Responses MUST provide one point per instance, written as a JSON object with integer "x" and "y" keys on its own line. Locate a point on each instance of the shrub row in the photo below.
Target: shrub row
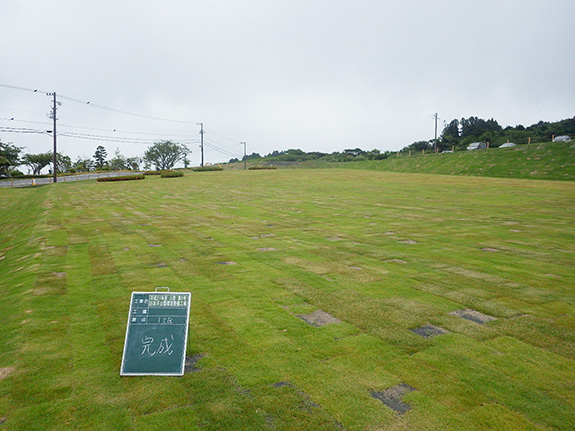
{"x": 257, "y": 168}
{"x": 208, "y": 168}
{"x": 171, "y": 174}
{"x": 123, "y": 178}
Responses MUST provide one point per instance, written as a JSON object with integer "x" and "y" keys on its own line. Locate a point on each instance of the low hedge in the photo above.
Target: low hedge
{"x": 208, "y": 168}
{"x": 258, "y": 168}
{"x": 171, "y": 174}
{"x": 152, "y": 172}
{"x": 123, "y": 178}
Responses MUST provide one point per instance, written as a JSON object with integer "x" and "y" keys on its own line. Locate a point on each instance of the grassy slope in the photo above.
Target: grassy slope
{"x": 550, "y": 161}
{"x": 383, "y": 252}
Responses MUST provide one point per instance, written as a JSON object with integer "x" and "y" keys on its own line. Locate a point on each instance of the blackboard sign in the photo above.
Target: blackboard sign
{"x": 157, "y": 334}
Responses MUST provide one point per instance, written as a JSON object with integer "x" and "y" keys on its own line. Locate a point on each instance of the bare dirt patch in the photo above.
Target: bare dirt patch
{"x": 191, "y": 362}
{"x": 473, "y": 315}
{"x": 429, "y": 331}
{"x": 6, "y": 371}
{"x": 319, "y": 318}
{"x": 393, "y": 397}
{"x": 229, "y": 262}
{"x": 265, "y": 235}
{"x": 267, "y": 249}
{"x": 396, "y": 261}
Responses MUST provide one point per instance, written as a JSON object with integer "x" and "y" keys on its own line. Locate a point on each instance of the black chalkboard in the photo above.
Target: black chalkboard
{"x": 156, "y": 334}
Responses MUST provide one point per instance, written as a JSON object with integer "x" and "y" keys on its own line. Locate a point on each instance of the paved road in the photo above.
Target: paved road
{"x": 27, "y": 182}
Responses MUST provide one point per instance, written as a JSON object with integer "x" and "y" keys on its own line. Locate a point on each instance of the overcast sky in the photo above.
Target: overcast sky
{"x": 319, "y": 75}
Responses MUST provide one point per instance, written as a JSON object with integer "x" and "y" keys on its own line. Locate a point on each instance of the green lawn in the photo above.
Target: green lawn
{"x": 385, "y": 253}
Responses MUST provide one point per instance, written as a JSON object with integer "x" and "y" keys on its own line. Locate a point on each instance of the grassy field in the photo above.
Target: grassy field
{"x": 448, "y": 302}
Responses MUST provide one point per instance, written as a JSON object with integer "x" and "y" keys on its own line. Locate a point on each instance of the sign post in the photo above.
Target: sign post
{"x": 156, "y": 334}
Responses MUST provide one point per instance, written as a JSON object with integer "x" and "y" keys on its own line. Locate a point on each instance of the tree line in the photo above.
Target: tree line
{"x": 161, "y": 155}
{"x": 458, "y": 134}
{"x": 297, "y": 155}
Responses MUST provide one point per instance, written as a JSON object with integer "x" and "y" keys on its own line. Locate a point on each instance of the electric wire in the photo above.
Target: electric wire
{"x": 217, "y": 147}
{"x": 88, "y": 103}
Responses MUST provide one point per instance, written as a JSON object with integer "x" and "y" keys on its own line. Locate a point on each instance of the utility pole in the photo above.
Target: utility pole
{"x": 53, "y": 116}
{"x": 202, "y": 141}
{"x": 435, "y": 140}
{"x": 245, "y": 158}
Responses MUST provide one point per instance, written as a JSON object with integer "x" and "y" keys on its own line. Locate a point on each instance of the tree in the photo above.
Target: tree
{"x": 37, "y": 162}
{"x": 251, "y": 156}
{"x": 450, "y": 136}
{"x": 83, "y": 165}
{"x": 474, "y": 127}
{"x": 165, "y": 154}
{"x": 375, "y": 154}
{"x": 133, "y": 163}
{"x": 9, "y": 157}
{"x": 118, "y": 163}
{"x": 64, "y": 163}
{"x": 418, "y": 147}
{"x": 355, "y": 152}
{"x": 100, "y": 157}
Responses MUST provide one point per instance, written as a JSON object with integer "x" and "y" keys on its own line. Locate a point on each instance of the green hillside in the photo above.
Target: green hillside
{"x": 549, "y": 161}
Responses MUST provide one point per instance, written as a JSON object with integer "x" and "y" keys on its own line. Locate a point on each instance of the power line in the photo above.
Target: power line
{"x": 19, "y": 130}
{"x": 14, "y": 87}
{"x": 98, "y": 129}
{"x": 113, "y": 138}
{"x": 84, "y": 136}
{"x": 88, "y": 103}
{"x": 118, "y": 139}
{"x": 223, "y": 151}
{"x": 134, "y": 114}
